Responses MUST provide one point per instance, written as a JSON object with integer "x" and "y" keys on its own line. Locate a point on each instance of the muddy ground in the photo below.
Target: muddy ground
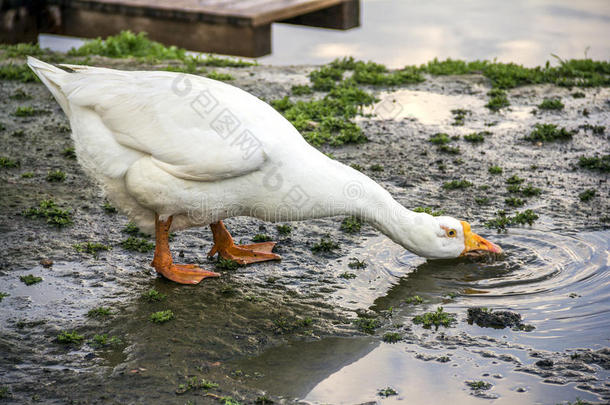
{"x": 249, "y": 310}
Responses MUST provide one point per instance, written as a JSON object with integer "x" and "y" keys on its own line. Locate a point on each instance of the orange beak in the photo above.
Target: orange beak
{"x": 475, "y": 244}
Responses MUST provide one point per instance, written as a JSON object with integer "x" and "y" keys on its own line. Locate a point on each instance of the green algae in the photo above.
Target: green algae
{"x": 260, "y": 237}
{"x": 92, "y": 248}
{"x": 9, "y": 163}
{"x": 601, "y": 164}
{"x": 429, "y": 211}
{"x": 551, "y": 104}
{"x": 325, "y": 245}
{"x": 436, "y": 318}
{"x": 48, "y": 210}
{"x": 162, "y": 316}
{"x": 457, "y": 184}
{"x": 135, "y": 244}
{"x": 30, "y": 279}
{"x": 56, "y": 176}
{"x": 392, "y": 337}
{"x": 549, "y": 133}
{"x": 68, "y": 338}
{"x": 99, "y": 312}
{"x": 587, "y": 195}
{"x": 351, "y": 225}
{"x": 153, "y": 295}
{"x": 495, "y": 169}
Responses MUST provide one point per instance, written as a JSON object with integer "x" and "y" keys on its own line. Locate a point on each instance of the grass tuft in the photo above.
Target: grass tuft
{"x": 456, "y": 185}
{"x": 68, "y": 338}
{"x": 549, "y": 133}
{"x": 56, "y": 176}
{"x": 48, "y": 210}
{"x": 392, "y": 337}
{"x": 437, "y": 318}
{"x": 601, "y": 164}
{"x": 429, "y": 211}
{"x": 30, "y": 279}
{"x": 551, "y": 104}
{"x": 162, "y": 316}
{"x": 99, "y": 312}
{"x": 325, "y": 245}
{"x": 93, "y": 248}
{"x": 351, "y": 225}
{"x": 8, "y": 163}
{"x": 137, "y": 245}
{"x": 153, "y": 295}
{"x": 587, "y": 195}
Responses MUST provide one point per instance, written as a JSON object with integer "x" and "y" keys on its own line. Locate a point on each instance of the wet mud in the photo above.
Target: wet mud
{"x": 285, "y": 331}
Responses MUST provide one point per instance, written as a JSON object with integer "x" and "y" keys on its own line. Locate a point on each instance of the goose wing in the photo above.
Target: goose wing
{"x": 194, "y": 128}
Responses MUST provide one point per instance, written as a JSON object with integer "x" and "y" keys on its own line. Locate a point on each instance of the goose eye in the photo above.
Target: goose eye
{"x": 451, "y": 233}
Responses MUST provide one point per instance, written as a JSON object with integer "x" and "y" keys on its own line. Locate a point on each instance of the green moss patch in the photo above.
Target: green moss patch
{"x": 162, "y": 316}
{"x": 30, "y": 279}
{"x": 325, "y": 245}
{"x": 260, "y": 237}
{"x": 497, "y": 100}
{"x": 92, "y": 248}
{"x": 587, "y": 195}
{"x": 9, "y": 163}
{"x": 549, "y": 133}
{"x": 495, "y": 170}
{"x": 601, "y": 164}
{"x": 367, "y": 325}
{"x": 153, "y": 295}
{"x": 47, "y": 209}
{"x": 354, "y": 263}
{"x": 137, "y": 245}
{"x": 392, "y": 337}
{"x": 551, "y": 104}
{"x": 351, "y": 225}
{"x": 99, "y": 312}
{"x": 67, "y": 338}
{"x": 437, "y": 319}
{"x": 429, "y": 210}
{"x": 503, "y": 220}
{"x": 18, "y": 72}
{"x": 56, "y": 176}
{"x": 457, "y": 184}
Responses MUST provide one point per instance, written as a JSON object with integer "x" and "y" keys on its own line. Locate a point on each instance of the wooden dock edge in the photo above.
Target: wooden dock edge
{"x": 23, "y": 20}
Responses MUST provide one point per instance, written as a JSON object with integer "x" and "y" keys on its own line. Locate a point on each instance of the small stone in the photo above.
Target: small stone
{"x": 46, "y": 263}
{"x": 545, "y": 363}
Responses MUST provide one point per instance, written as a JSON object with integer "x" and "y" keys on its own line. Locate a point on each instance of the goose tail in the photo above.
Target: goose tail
{"x": 52, "y": 77}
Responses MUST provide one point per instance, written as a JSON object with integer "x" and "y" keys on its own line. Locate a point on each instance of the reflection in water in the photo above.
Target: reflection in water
{"x": 559, "y": 283}
{"x": 398, "y": 33}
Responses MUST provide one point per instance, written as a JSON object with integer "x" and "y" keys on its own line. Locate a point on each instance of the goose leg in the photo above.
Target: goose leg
{"x": 242, "y": 254}
{"x": 164, "y": 264}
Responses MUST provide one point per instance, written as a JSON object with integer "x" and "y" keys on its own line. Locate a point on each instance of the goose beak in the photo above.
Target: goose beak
{"x": 475, "y": 245}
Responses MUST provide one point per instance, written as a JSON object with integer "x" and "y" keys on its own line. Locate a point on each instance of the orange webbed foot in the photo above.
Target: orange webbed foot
{"x": 242, "y": 254}
{"x": 185, "y": 273}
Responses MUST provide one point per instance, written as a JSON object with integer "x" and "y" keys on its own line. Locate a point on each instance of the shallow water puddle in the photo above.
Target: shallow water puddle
{"x": 428, "y": 108}
{"x": 347, "y": 371}
{"x": 55, "y": 296}
{"x": 558, "y": 283}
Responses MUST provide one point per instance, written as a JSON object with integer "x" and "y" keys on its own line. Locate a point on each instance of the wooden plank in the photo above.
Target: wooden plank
{"x": 197, "y": 36}
{"x": 341, "y": 17}
{"x": 236, "y": 12}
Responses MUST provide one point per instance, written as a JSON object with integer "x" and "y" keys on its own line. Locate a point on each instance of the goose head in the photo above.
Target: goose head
{"x": 445, "y": 237}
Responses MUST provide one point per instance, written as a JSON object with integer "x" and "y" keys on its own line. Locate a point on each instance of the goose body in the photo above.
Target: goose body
{"x": 193, "y": 150}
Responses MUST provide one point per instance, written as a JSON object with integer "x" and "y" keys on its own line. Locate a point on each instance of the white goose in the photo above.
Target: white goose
{"x": 175, "y": 151}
